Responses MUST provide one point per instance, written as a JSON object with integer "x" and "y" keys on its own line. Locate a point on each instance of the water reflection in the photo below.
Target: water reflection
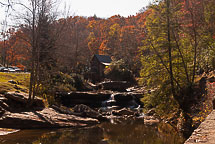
{"x": 106, "y": 133}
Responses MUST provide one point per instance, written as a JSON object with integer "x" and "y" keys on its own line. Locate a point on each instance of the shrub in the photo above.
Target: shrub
{"x": 118, "y": 71}
{"x": 78, "y": 82}
{"x": 58, "y": 82}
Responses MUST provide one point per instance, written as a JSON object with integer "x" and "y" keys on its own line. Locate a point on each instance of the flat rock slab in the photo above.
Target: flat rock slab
{"x": 47, "y": 118}
{"x": 114, "y": 85}
{"x": 205, "y": 133}
{"x": 4, "y": 131}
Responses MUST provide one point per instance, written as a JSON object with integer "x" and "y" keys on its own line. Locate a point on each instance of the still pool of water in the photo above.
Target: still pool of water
{"x": 106, "y": 133}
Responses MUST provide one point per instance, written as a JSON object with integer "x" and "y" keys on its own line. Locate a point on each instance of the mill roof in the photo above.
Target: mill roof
{"x": 104, "y": 59}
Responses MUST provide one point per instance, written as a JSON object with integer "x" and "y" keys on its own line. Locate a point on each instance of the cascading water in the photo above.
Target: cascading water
{"x": 110, "y": 102}
{"x": 109, "y": 105}
{"x": 119, "y": 106}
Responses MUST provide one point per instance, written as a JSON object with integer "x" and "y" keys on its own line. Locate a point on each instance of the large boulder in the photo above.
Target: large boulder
{"x": 15, "y": 114}
{"x": 21, "y": 100}
{"x": 87, "y": 112}
{"x": 47, "y": 118}
{"x": 123, "y": 112}
{"x": 88, "y": 98}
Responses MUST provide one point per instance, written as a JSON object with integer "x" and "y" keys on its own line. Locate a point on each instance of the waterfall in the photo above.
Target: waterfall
{"x": 109, "y": 104}
{"x": 121, "y": 106}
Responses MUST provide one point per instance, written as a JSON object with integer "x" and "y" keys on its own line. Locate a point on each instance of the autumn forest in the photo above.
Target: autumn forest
{"x": 166, "y": 46}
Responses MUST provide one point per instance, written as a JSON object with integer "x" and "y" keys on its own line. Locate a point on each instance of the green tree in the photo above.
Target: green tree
{"x": 169, "y": 61}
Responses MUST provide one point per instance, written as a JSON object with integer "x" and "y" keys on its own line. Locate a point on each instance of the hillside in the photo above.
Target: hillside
{"x": 14, "y": 82}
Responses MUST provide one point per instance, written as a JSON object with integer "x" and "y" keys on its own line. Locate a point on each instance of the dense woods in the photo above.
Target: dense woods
{"x": 165, "y": 45}
{"x": 178, "y": 45}
{"x": 81, "y": 37}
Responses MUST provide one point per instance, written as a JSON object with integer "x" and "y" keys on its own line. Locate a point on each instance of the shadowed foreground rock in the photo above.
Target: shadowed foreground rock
{"x": 205, "y": 133}
{"x": 14, "y": 114}
{"x": 47, "y": 118}
{"x": 19, "y": 101}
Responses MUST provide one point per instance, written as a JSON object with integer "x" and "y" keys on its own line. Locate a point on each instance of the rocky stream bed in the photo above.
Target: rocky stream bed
{"x": 77, "y": 109}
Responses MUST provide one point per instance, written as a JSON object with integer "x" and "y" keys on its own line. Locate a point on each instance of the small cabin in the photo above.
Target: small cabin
{"x": 98, "y": 64}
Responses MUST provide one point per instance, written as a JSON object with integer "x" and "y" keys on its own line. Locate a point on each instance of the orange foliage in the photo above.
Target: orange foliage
{"x": 17, "y": 49}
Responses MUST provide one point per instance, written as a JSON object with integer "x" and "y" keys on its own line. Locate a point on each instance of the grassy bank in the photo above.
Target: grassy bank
{"x": 21, "y": 82}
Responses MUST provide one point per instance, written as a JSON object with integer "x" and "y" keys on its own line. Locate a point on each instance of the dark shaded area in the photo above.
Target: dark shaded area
{"x": 96, "y": 99}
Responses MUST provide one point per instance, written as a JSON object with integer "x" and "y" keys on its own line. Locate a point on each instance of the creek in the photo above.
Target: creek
{"x": 127, "y": 132}
{"x": 126, "y": 123}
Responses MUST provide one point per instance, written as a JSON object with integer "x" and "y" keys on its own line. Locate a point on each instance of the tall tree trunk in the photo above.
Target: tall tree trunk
{"x": 182, "y": 57}
{"x": 76, "y": 46}
{"x": 32, "y": 77}
{"x": 170, "y": 48}
{"x": 195, "y": 48}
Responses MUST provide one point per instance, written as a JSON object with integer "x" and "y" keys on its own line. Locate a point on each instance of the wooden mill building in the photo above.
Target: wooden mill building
{"x": 98, "y": 64}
